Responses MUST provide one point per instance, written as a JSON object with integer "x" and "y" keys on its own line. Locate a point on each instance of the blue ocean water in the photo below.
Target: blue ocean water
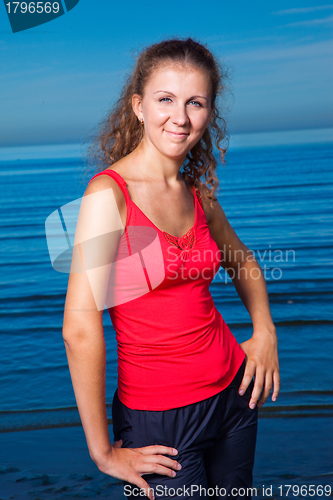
{"x": 278, "y": 200}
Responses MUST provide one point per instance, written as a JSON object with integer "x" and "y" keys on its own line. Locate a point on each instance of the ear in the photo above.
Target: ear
{"x": 137, "y": 106}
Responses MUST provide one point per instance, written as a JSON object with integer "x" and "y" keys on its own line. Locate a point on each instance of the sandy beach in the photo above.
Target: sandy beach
{"x": 52, "y": 463}
{"x": 55, "y": 463}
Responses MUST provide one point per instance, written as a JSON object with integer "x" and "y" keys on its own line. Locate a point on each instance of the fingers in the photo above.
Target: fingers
{"x": 162, "y": 465}
{"x": 139, "y": 481}
{"x": 257, "y": 388}
{"x": 276, "y": 381}
{"x": 157, "y": 468}
{"x": 266, "y": 390}
{"x": 247, "y": 378}
{"x": 271, "y": 380}
{"x": 130, "y": 464}
{"x": 263, "y": 383}
{"x": 155, "y": 461}
{"x": 158, "y": 449}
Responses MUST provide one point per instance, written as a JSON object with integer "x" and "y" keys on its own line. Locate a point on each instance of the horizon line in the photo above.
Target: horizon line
{"x": 237, "y": 141}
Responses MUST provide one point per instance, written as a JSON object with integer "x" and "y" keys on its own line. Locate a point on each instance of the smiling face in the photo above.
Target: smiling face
{"x": 176, "y": 108}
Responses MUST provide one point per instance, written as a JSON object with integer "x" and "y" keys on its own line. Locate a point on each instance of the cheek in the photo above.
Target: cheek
{"x": 199, "y": 121}
{"x": 160, "y": 116}
{"x": 156, "y": 116}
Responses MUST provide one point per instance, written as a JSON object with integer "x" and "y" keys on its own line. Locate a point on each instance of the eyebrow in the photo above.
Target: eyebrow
{"x": 170, "y": 93}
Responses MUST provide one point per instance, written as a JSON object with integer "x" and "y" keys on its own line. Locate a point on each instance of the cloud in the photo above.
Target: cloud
{"x": 295, "y": 52}
{"x": 304, "y": 10}
{"x": 229, "y": 43}
{"x": 311, "y": 22}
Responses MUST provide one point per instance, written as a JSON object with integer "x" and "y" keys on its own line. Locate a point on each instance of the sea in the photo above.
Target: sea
{"x": 279, "y": 200}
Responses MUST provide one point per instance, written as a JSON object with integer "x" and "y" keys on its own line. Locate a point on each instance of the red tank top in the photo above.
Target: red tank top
{"x": 174, "y": 348}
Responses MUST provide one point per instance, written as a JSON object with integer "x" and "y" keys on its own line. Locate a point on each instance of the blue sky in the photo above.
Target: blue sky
{"x": 58, "y": 80}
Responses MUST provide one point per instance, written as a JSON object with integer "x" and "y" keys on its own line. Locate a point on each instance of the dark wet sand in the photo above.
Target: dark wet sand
{"x": 55, "y": 463}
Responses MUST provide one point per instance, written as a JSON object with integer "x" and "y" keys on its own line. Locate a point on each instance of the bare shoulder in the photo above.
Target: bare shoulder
{"x": 103, "y": 182}
{"x": 212, "y": 208}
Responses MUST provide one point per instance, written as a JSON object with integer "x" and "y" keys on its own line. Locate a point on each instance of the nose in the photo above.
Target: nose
{"x": 179, "y": 116}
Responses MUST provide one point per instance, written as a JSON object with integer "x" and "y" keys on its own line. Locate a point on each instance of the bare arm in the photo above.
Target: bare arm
{"x": 248, "y": 279}
{"x": 83, "y": 318}
{"x": 84, "y": 336}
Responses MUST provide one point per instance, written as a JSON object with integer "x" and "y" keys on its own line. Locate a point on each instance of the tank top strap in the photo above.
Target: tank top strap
{"x": 196, "y": 193}
{"x": 119, "y": 180}
{"x": 122, "y": 184}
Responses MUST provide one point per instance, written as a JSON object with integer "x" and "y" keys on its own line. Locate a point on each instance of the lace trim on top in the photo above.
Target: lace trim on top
{"x": 183, "y": 242}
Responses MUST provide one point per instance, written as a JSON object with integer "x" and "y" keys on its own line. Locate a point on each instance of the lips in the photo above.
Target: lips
{"x": 176, "y": 134}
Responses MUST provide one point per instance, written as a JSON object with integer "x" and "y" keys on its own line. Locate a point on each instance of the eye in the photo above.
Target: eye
{"x": 197, "y": 103}
{"x": 167, "y": 99}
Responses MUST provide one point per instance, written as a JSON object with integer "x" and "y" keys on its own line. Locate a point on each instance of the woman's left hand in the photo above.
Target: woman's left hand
{"x": 262, "y": 362}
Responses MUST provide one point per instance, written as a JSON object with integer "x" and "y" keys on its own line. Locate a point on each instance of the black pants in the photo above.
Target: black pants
{"x": 215, "y": 439}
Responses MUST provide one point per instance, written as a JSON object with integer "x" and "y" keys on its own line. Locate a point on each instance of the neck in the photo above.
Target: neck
{"x": 155, "y": 166}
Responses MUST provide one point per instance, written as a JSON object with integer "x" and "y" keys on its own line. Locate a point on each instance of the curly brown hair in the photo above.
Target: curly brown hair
{"x": 120, "y": 132}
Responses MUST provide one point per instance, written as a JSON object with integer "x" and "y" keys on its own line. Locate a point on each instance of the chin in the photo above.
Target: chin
{"x": 171, "y": 156}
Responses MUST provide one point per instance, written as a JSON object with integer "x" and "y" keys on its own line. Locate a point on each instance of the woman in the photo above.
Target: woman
{"x": 185, "y": 411}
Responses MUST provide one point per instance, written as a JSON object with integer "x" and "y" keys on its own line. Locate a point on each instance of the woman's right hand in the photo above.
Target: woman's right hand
{"x": 129, "y": 464}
